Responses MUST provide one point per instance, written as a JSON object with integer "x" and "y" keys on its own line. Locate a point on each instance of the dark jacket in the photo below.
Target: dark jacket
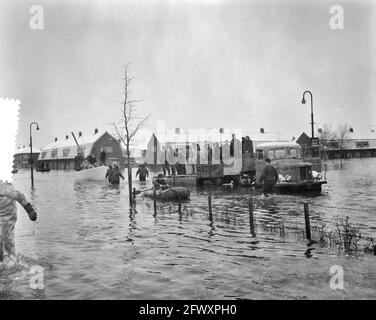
{"x": 269, "y": 174}
{"x": 143, "y": 172}
{"x": 115, "y": 177}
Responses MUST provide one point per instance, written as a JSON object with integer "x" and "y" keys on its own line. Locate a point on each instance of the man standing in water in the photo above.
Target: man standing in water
{"x": 109, "y": 172}
{"x": 270, "y": 177}
{"x": 103, "y": 158}
{"x": 115, "y": 175}
{"x": 8, "y": 217}
{"x": 142, "y": 172}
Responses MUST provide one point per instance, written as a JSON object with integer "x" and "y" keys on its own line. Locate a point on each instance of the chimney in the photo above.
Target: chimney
{"x": 66, "y": 137}
{"x": 177, "y": 130}
{"x": 262, "y": 130}
{"x": 95, "y": 131}
{"x": 221, "y": 130}
{"x": 79, "y": 134}
{"x": 55, "y": 139}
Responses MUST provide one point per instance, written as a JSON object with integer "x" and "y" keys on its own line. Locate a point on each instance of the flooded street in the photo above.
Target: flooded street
{"x": 91, "y": 246}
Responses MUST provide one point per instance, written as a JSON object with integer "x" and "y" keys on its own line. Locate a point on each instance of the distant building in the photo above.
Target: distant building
{"x": 21, "y": 159}
{"x": 61, "y": 154}
{"x": 352, "y": 147}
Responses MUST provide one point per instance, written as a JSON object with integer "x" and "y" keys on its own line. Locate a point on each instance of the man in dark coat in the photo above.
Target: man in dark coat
{"x": 115, "y": 175}
{"x": 269, "y": 178}
{"x": 103, "y": 157}
{"x": 142, "y": 172}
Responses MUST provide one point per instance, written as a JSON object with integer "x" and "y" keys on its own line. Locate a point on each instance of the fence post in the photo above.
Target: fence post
{"x": 251, "y": 218}
{"x": 307, "y": 222}
{"x": 155, "y": 200}
{"x": 1, "y": 250}
{"x": 210, "y": 207}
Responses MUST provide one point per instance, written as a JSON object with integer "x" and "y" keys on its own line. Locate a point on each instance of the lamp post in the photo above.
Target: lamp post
{"x": 303, "y": 102}
{"x": 31, "y": 153}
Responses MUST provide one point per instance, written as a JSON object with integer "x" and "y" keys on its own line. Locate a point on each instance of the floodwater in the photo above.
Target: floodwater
{"x": 90, "y": 246}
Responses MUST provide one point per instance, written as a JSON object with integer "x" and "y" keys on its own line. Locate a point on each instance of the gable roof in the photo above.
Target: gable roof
{"x": 67, "y": 148}
{"x": 304, "y": 139}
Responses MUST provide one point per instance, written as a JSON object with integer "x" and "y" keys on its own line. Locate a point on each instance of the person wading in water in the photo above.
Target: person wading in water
{"x": 8, "y": 217}
{"x": 108, "y": 173}
{"x": 269, "y": 178}
{"x": 115, "y": 175}
{"x": 142, "y": 172}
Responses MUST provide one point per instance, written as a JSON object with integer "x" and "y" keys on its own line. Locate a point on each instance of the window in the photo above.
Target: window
{"x": 44, "y": 153}
{"x": 362, "y": 144}
{"x": 106, "y": 149}
{"x": 53, "y": 153}
{"x": 260, "y": 154}
{"x": 333, "y": 144}
{"x": 293, "y": 153}
{"x": 277, "y": 153}
{"x": 66, "y": 152}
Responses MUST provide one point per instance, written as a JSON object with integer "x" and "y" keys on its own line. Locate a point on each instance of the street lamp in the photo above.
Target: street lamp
{"x": 31, "y": 153}
{"x": 303, "y": 102}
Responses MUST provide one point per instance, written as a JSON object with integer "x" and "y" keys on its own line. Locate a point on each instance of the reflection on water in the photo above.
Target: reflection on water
{"x": 92, "y": 245}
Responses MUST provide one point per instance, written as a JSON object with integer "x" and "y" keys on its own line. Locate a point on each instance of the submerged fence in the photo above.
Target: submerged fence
{"x": 345, "y": 236}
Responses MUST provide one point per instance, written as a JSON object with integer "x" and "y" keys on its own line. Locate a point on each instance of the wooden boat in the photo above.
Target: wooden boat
{"x": 179, "y": 180}
{"x": 169, "y": 194}
{"x": 43, "y": 169}
{"x": 92, "y": 174}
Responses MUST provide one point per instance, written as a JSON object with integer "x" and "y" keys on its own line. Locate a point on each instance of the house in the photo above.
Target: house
{"x": 61, "y": 154}
{"x": 353, "y": 147}
{"x": 21, "y": 159}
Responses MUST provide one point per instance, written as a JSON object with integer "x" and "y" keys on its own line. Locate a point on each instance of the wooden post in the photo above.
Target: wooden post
{"x": 179, "y": 207}
{"x": 134, "y": 194}
{"x": 155, "y": 201}
{"x": 210, "y": 207}
{"x": 307, "y": 222}
{"x": 251, "y": 218}
{"x": 1, "y": 249}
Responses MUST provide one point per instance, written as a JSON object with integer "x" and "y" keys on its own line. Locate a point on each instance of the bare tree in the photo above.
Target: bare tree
{"x": 327, "y": 136}
{"x": 341, "y": 135}
{"x": 128, "y": 125}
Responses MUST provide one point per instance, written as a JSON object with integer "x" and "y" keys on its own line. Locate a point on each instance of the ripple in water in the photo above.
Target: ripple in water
{"x": 92, "y": 246}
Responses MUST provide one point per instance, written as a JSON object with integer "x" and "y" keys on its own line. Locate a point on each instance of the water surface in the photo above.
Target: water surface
{"x": 92, "y": 247}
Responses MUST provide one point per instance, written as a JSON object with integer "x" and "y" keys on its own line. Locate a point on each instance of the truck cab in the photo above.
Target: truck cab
{"x": 288, "y": 160}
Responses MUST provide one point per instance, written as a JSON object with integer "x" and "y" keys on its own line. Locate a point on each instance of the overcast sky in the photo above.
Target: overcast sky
{"x": 199, "y": 64}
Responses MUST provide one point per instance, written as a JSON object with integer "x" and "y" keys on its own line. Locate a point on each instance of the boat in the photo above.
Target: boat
{"x": 179, "y": 180}
{"x": 43, "y": 169}
{"x": 92, "y": 174}
{"x": 173, "y": 193}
